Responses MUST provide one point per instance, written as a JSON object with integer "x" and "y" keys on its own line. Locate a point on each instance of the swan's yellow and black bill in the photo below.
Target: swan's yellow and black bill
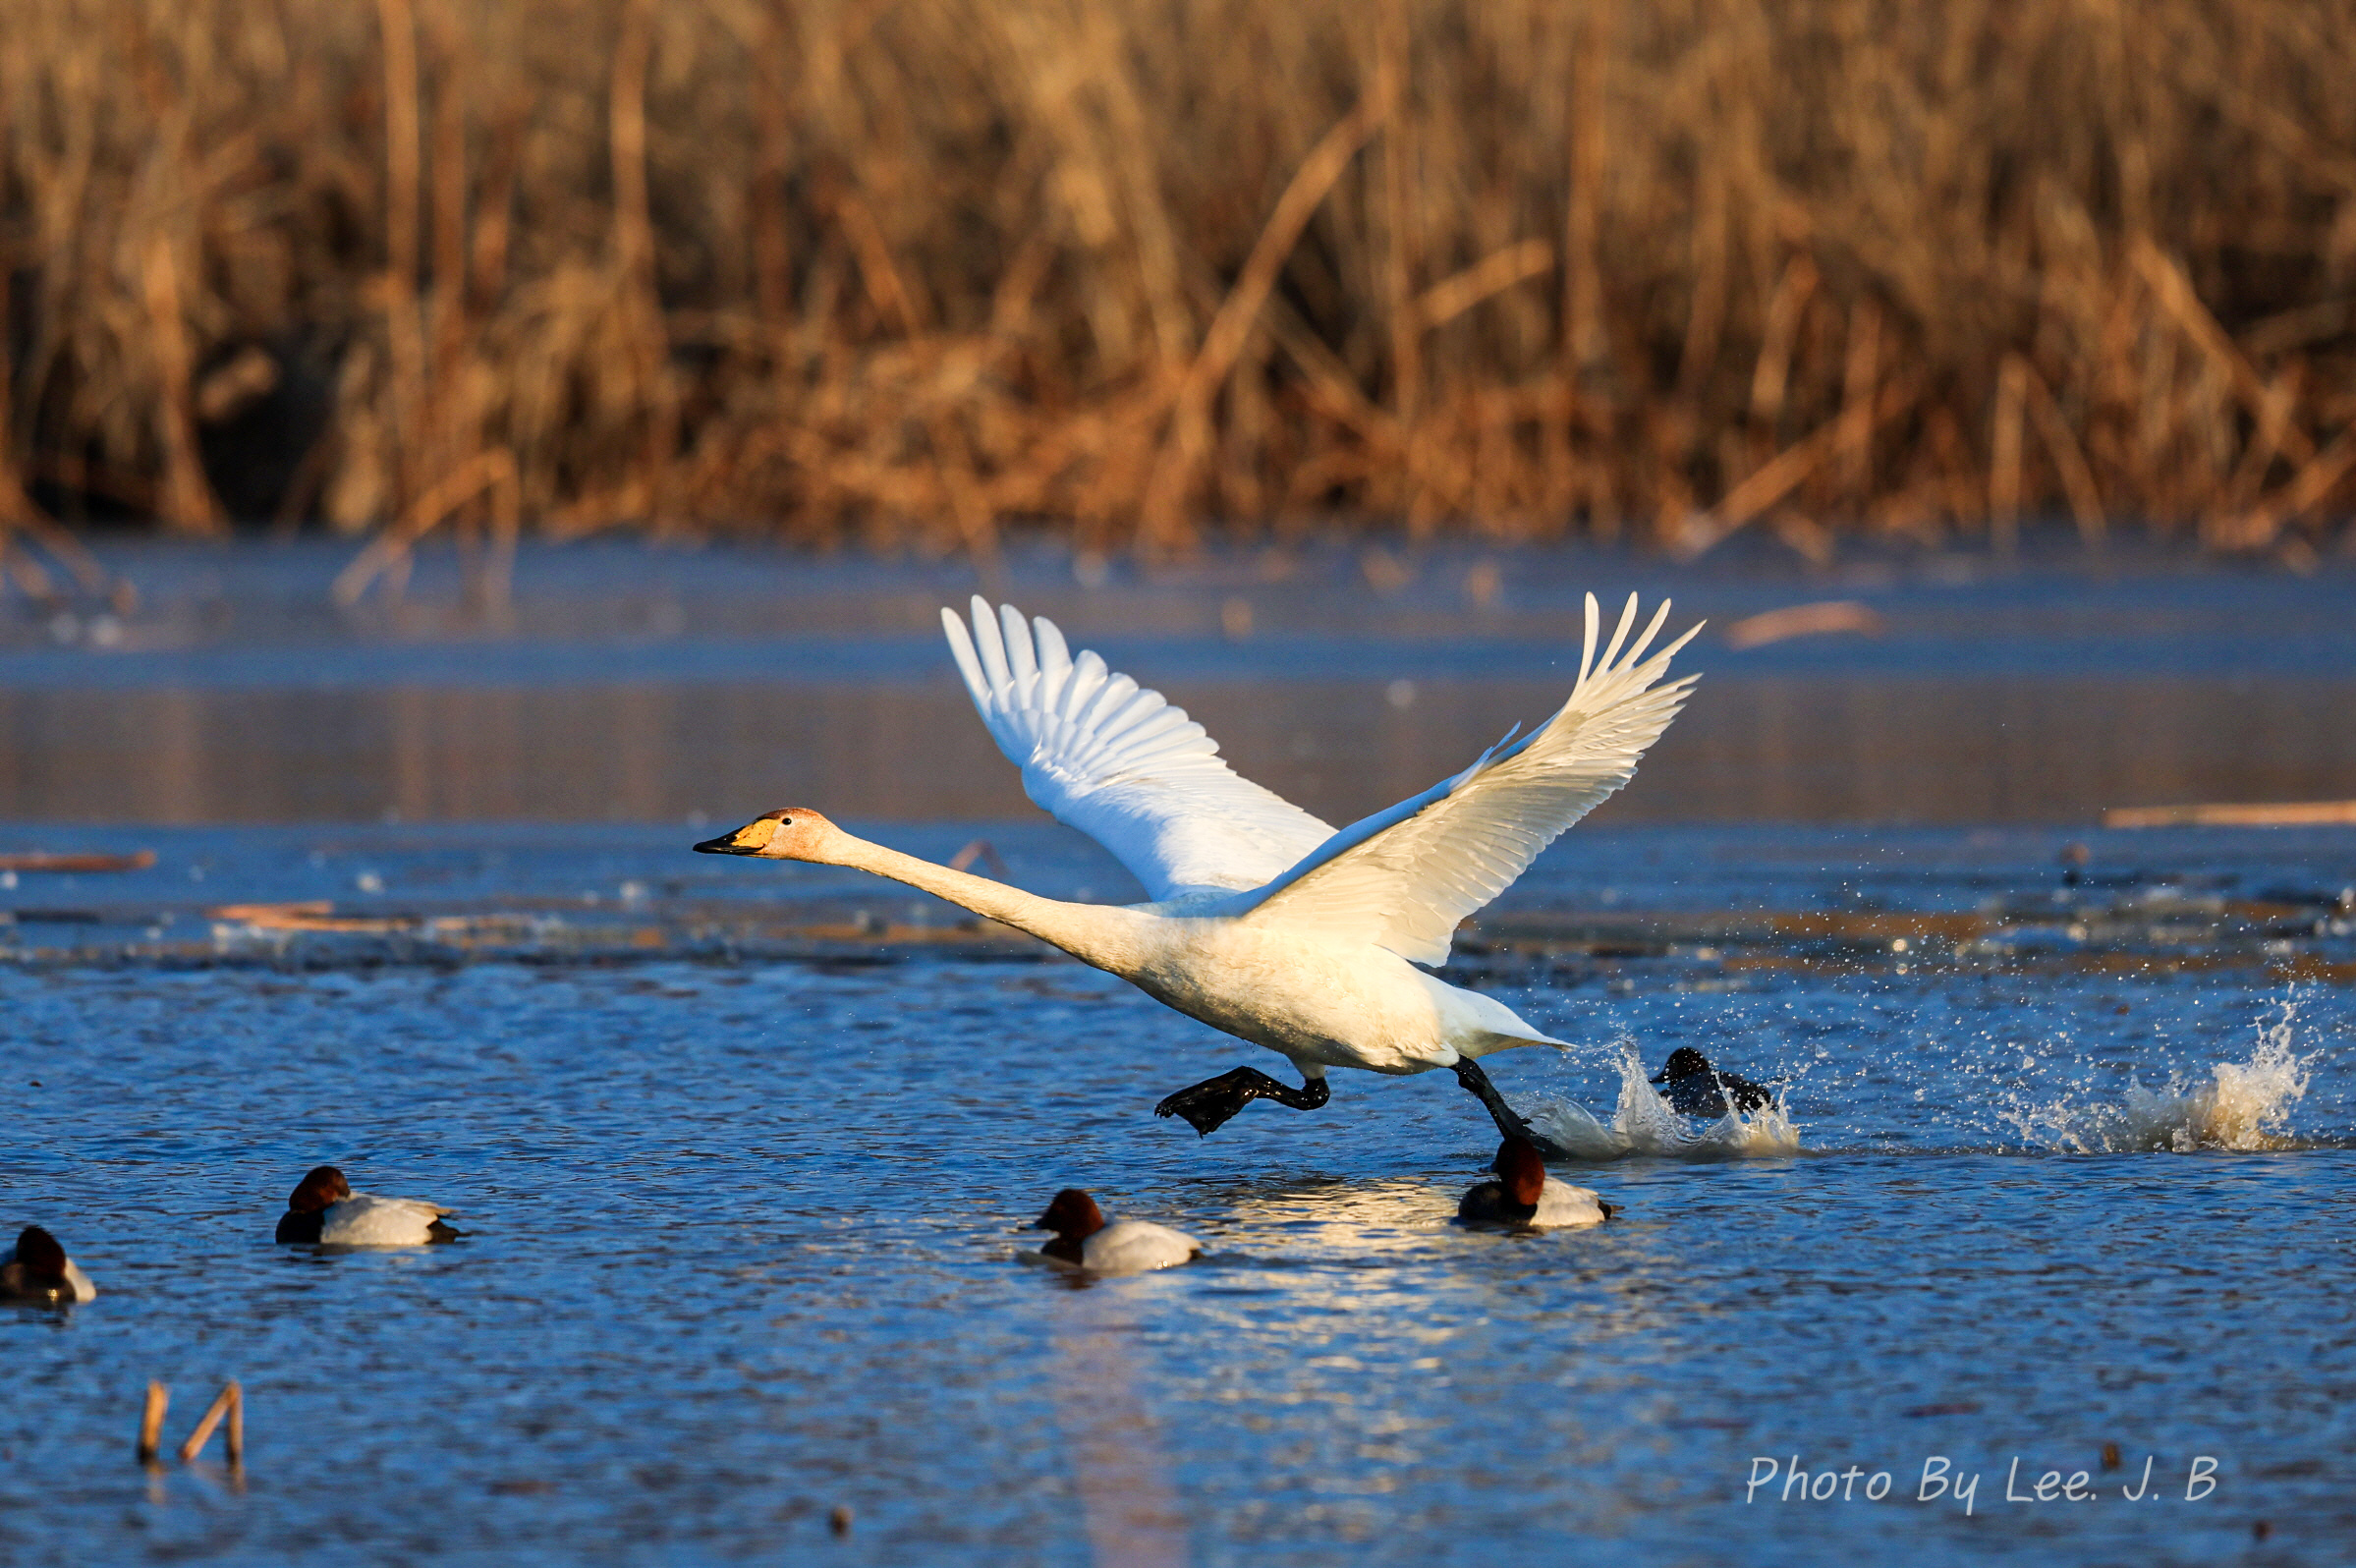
{"x": 749, "y": 839}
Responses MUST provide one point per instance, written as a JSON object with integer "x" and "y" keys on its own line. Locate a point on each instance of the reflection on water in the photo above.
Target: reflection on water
{"x": 1816, "y": 750}
{"x": 641, "y": 687}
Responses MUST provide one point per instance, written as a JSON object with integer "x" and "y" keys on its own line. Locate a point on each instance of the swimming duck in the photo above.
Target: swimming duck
{"x": 1694, "y": 1088}
{"x": 325, "y": 1209}
{"x": 37, "y": 1270}
{"x": 1085, "y": 1239}
{"x": 1524, "y": 1195}
{"x": 1265, "y": 921}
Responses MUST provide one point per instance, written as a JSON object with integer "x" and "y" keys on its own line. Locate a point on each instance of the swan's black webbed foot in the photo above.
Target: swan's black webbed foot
{"x": 1510, "y": 1122}
{"x": 1214, "y": 1102}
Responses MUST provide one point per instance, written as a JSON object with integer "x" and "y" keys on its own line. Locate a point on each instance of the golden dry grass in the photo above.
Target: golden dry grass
{"x": 913, "y": 271}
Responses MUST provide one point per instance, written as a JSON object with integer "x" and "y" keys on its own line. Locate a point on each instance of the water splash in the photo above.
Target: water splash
{"x": 1644, "y": 1123}
{"x": 2240, "y": 1105}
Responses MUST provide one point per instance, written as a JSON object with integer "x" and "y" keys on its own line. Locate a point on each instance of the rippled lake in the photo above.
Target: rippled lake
{"x": 2063, "y": 1185}
{"x": 741, "y": 1150}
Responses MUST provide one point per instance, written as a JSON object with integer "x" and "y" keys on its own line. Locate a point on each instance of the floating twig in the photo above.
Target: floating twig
{"x": 1804, "y": 620}
{"x": 44, "y": 861}
{"x": 2268, "y": 813}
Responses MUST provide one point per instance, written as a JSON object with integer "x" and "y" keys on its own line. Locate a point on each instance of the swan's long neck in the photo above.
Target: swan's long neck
{"x": 1104, "y": 934}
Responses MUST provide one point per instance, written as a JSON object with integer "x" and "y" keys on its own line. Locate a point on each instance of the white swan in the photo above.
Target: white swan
{"x": 1266, "y": 922}
{"x": 325, "y": 1209}
{"x": 37, "y": 1271}
{"x": 1085, "y": 1239}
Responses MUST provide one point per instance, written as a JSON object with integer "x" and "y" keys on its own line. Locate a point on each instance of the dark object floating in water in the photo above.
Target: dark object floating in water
{"x": 1694, "y": 1088}
{"x": 1961, "y": 1407}
{"x": 42, "y": 861}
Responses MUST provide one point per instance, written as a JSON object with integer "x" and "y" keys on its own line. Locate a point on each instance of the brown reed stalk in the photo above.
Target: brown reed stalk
{"x": 914, "y": 273}
{"x": 1163, "y": 521}
{"x": 151, "y": 1422}
{"x": 403, "y": 330}
{"x": 230, "y": 1402}
{"x": 188, "y": 506}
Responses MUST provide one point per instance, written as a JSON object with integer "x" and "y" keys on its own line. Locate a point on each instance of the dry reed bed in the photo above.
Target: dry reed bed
{"x": 909, "y": 271}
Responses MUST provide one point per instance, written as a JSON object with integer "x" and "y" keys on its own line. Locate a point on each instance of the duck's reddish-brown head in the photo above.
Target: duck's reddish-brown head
{"x": 323, "y": 1188}
{"x": 1074, "y": 1215}
{"x": 40, "y": 1257}
{"x": 1520, "y": 1170}
{"x": 796, "y": 833}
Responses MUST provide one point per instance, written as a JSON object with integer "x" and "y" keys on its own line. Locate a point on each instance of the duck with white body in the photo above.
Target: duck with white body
{"x": 1524, "y": 1196}
{"x": 1086, "y": 1240}
{"x": 37, "y": 1272}
{"x": 1265, "y": 921}
{"x": 324, "y": 1210}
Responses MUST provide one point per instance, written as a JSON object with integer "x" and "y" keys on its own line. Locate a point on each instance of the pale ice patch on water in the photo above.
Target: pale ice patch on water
{"x": 1644, "y": 1123}
{"x": 2238, "y": 1105}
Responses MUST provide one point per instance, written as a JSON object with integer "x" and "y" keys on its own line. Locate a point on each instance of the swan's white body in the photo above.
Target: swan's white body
{"x": 1302, "y": 995}
{"x": 1132, "y": 1247}
{"x": 1265, "y": 921}
{"x": 365, "y": 1219}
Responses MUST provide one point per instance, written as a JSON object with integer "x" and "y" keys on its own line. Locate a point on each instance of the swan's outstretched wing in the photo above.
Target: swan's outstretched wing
{"x": 1402, "y": 878}
{"x": 1123, "y": 765}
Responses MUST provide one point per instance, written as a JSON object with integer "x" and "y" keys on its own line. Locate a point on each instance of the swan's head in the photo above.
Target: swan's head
{"x": 42, "y": 1258}
{"x": 796, "y": 833}
{"x": 1074, "y": 1215}
{"x": 1683, "y": 1062}
{"x": 1520, "y": 1170}
{"x": 323, "y": 1188}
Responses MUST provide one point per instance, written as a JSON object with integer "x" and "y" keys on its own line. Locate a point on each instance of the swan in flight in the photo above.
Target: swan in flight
{"x": 1265, "y": 921}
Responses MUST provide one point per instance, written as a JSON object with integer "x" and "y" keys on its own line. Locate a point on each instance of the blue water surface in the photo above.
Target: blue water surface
{"x": 743, "y": 1280}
